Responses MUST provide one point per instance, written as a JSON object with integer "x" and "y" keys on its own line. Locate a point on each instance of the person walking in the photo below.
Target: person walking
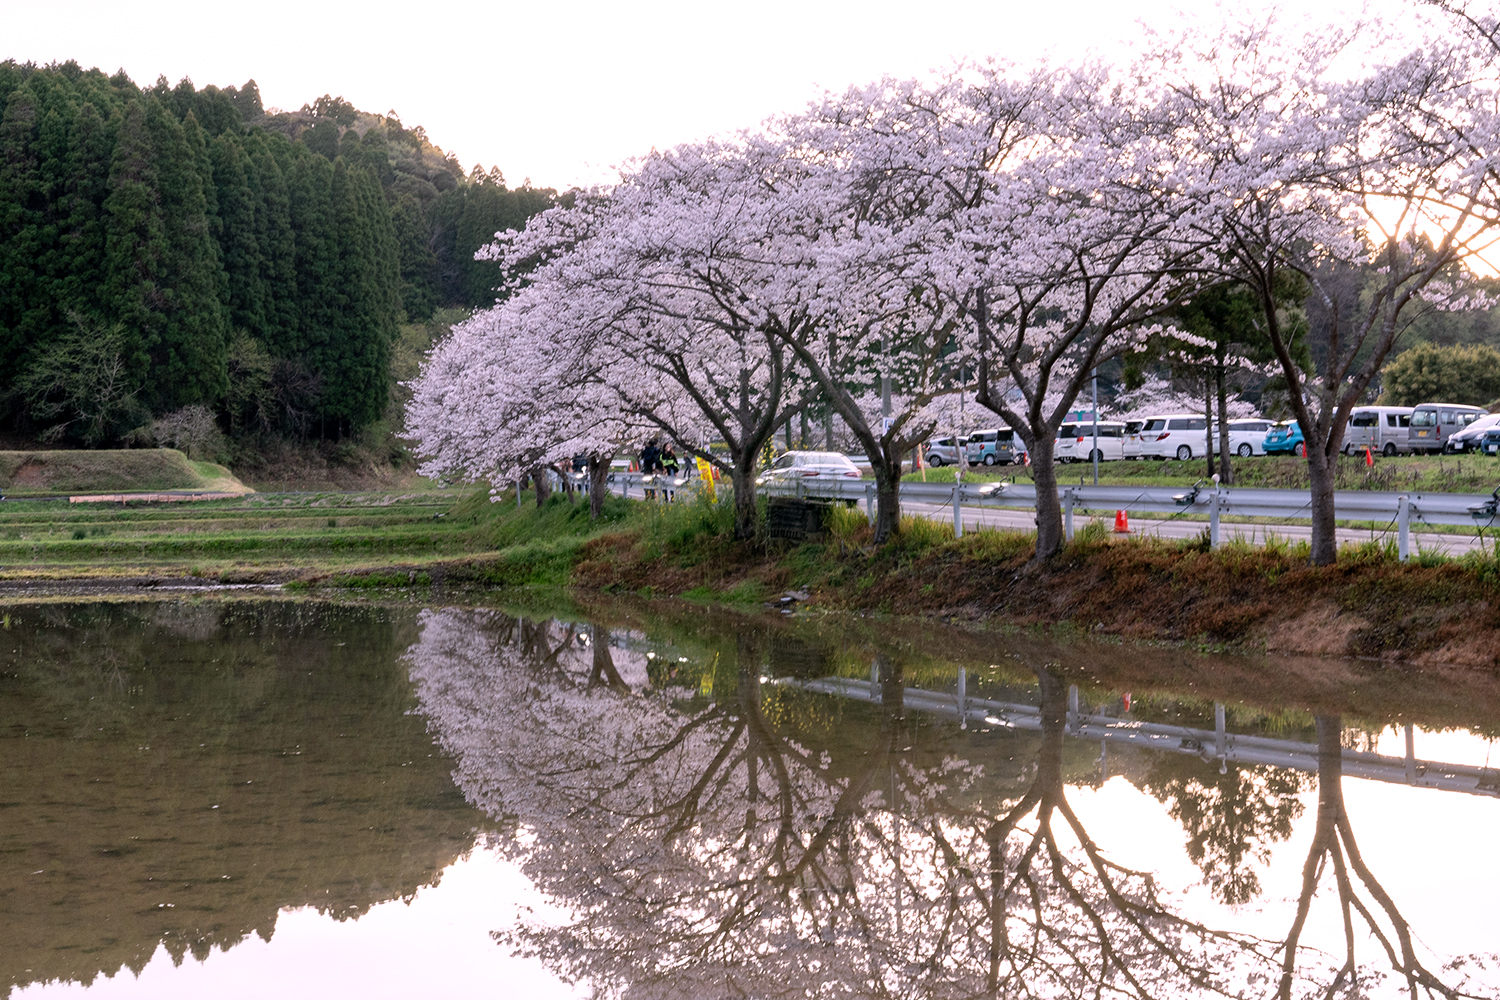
{"x": 669, "y": 469}
{"x": 650, "y": 462}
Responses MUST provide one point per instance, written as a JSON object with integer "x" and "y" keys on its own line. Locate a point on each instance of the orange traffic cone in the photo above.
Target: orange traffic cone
{"x": 1369, "y": 459}
{"x": 1122, "y": 523}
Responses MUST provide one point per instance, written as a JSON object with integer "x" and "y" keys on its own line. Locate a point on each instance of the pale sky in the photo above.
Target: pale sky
{"x": 561, "y": 93}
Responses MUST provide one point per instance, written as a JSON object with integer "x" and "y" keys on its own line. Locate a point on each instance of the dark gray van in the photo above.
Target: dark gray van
{"x": 1431, "y": 423}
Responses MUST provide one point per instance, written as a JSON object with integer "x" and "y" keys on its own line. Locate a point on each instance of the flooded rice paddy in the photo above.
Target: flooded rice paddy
{"x": 242, "y": 797}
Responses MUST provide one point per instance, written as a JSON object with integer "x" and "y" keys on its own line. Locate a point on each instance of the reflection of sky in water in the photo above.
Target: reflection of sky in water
{"x": 438, "y": 945}
{"x": 1424, "y": 845}
{"x": 1430, "y": 850}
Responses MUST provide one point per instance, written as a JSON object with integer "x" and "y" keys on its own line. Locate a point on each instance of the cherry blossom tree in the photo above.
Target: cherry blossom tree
{"x": 682, "y": 284}
{"x": 1295, "y": 172}
{"x": 1018, "y": 215}
{"x": 500, "y": 399}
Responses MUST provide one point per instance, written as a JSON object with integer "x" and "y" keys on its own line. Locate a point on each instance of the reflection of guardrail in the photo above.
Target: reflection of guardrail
{"x": 1473, "y": 509}
{"x": 1217, "y": 744}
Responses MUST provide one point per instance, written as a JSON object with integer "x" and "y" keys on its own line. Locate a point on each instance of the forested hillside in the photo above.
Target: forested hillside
{"x": 171, "y": 247}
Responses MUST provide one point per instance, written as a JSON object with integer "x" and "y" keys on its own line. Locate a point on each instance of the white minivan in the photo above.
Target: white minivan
{"x": 1382, "y": 429}
{"x": 1175, "y": 435}
{"x": 1111, "y": 441}
{"x": 1247, "y": 436}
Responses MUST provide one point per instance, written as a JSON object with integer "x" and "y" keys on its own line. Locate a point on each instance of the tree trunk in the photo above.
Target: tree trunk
{"x": 746, "y": 514}
{"x": 598, "y": 485}
{"x": 1226, "y": 468}
{"x": 1208, "y": 424}
{"x": 1325, "y": 544}
{"x": 539, "y": 481}
{"x": 1049, "y": 526}
{"x": 887, "y": 499}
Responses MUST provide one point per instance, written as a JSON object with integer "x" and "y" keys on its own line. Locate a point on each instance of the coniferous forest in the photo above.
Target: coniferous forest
{"x": 171, "y": 250}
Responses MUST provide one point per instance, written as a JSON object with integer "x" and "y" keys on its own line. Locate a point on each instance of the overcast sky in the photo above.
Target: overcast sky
{"x": 561, "y": 93}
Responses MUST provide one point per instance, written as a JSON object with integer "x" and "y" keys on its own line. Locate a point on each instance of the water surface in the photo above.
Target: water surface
{"x": 237, "y": 797}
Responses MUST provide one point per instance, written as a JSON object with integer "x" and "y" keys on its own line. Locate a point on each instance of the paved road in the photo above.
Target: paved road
{"x": 1168, "y": 527}
{"x": 1025, "y": 520}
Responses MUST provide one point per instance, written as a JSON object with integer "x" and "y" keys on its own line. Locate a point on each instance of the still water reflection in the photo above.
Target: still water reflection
{"x": 609, "y": 803}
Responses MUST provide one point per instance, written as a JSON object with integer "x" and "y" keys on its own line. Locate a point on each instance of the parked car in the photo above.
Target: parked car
{"x": 1065, "y": 448}
{"x": 1384, "y": 429}
{"x": 1470, "y": 438}
{"x": 996, "y": 446}
{"x": 1285, "y": 438}
{"x": 1433, "y": 423}
{"x": 1490, "y": 443}
{"x": 809, "y": 465}
{"x": 1111, "y": 441}
{"x": 943, "y": 452}
{"x": 1175, "y": 435}
{"x": 1247, "y": 436}
{"x": 1131, "y": 445}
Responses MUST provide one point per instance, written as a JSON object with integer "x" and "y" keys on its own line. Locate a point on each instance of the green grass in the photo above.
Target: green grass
{"x": 118, "y": 471}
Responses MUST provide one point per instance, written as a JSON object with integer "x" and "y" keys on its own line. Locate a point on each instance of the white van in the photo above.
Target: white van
{"x": 1431, "y": 423}
{"x": 1247, "y": 436}
{"x": 1064, "y": 449}
{"x": 1175, "y": 435}
{"x": 1132, "y": 439}
{"x": 1111, "y": 441}
{"x": 1382, "y": 429}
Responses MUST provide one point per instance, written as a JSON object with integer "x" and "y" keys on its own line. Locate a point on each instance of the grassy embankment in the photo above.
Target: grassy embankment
{"x": 1428, "y": 610}
{"x": 50, "y": 473}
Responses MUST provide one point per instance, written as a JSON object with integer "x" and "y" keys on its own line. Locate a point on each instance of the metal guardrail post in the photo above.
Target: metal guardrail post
{"x": 1072, "y": 708}
{"x": 518, "y": 494}
{"x": 875, "y": 682}
{"x": 1403, "y": 526}
{"x": 958, "y": 511}
{"x": 1068, "y": 515}
{"x": 870, "y": 502}
{"x": 1213, "y": 520}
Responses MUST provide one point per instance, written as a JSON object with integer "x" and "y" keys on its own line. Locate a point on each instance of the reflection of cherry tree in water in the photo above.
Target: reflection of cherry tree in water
{"x": 1231, "y": 817}
{"x": 710, "y": 854}
{"x": 1333, "y": 845}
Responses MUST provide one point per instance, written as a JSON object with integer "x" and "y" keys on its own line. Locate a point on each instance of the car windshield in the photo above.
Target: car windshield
{"x": 1424, "y": 418}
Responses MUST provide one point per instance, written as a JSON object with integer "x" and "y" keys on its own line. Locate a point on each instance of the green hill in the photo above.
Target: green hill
{"x": 118, "y": 471}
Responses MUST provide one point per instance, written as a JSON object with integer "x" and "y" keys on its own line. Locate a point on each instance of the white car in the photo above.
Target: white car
{"x": 1111, "y": 441}
{"x": 1247, "y": 436}
{"x": 942, "y": 451}
{"x": 1175, "y": 435}
{"x": 811, "y": 465}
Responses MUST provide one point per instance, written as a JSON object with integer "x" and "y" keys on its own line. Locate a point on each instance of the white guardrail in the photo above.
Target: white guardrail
{"x": 1476, "y": 510}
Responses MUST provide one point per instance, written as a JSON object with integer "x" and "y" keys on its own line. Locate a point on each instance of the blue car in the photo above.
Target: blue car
{"x": 1285, "y": 438}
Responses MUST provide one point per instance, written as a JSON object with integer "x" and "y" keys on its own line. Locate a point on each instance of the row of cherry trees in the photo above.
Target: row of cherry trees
{"x": 999, "y": 230}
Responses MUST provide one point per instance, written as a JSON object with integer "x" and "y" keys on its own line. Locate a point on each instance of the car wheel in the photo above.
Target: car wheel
{"x": 1244, "y": 450}
{"x": 936, "y": 461}
{"x": 1096, "y": 455}
{"x": 1389, "y": 451}
{"x": 989, "y": 460}
{"x": 1301, "y": 450}
{"x": 1184, "y": 452}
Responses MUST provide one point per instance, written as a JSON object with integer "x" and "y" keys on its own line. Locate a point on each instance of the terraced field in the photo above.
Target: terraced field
{"x": 261, "y": 536}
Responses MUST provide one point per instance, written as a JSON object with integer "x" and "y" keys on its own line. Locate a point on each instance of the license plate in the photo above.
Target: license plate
{"x": 1490, "y": 449}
